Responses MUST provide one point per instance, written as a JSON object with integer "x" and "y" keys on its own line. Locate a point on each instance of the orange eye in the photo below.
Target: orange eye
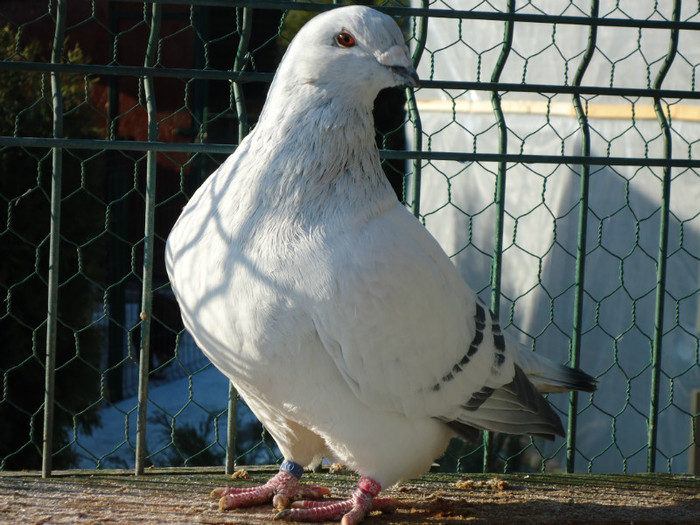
{"x": 345, "y": 39}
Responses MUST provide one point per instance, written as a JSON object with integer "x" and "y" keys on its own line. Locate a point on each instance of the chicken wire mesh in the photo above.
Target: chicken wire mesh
{"x": 551, "y": 149}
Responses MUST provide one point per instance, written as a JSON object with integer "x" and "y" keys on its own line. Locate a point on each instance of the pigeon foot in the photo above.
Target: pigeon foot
{"x": 352, "y": 510}
{"x": 282, "y": 489}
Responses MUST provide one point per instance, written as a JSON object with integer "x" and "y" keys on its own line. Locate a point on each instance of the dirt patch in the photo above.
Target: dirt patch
{"x": 181, "y": 496}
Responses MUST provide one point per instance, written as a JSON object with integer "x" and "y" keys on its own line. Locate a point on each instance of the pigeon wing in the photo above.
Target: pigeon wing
{"x": 404, "y": 329}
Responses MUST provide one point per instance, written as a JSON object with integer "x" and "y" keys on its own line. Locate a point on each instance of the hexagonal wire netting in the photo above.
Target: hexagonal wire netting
{"x": 551, "y": 149}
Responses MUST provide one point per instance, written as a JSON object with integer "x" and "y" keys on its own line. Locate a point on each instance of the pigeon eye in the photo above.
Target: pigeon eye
{"x": 345, "y": 39}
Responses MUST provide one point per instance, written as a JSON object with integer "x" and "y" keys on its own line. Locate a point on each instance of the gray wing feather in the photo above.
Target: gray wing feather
{"x": 515, "y": 408}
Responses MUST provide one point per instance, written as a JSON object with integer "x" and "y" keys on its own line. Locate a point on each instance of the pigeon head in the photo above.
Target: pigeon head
{"x": 351, "y": 52}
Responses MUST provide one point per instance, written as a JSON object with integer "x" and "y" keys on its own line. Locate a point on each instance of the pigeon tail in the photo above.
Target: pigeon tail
{"x": 515, "y": 408}
{"x": 550, "y": 376}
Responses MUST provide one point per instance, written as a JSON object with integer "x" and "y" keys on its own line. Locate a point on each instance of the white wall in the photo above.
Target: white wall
{"x": 542, "y": 213}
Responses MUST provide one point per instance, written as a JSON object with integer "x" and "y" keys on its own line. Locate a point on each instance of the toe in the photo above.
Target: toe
{"x": 245, "y": 499}
{"x": 306, "y": 491}
{"x": 225, "y": 491}
{"x": 314, "y": 511}
{"x": 354, "y": 517}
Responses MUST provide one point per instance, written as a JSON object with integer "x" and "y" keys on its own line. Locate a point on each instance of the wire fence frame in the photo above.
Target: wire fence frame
{"x": 238, "y": 76}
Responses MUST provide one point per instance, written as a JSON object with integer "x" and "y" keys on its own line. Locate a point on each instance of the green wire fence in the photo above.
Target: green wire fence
{"x": 582, "y": 116}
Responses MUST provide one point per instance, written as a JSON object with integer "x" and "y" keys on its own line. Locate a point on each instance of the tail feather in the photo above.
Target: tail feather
{"x": 550, "y": 376}
{"x": 515, "y": 408}
{"x": 568, "y": 379}
{"x": 518, "y": 407}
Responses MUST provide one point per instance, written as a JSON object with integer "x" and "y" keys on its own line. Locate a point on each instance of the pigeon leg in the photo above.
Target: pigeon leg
{"x": 352, "y": 510}
{"x": 282, "y": 489}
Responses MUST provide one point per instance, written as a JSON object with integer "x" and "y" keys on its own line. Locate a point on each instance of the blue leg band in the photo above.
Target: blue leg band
{"x": 294, "y": 469}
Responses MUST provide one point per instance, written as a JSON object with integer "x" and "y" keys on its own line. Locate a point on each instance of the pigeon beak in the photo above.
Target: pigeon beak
{"x": 408, "y": 75}
{"x": 398, "y": 60}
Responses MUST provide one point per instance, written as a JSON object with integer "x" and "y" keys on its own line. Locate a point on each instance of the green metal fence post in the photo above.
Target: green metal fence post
{"x": 575, "y": 352}
{"x": 242, "y": 115}
{"x": 148, "y": 242}
{"x": 201, "y": 21}
{"x": 231, "y": 429}
{"x": 499, "y": 197}
{"x": 415, "y": 178}
{"x": 663, "y": 246}
{"x": 238, "y": 65}
{"x": 54, "y": 243}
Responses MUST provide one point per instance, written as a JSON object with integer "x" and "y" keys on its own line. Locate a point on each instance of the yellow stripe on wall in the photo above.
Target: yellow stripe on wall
{"x": 565, "y": 109}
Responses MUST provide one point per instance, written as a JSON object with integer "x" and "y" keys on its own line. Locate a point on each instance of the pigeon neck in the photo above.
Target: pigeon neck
{"x": 308, "y": 109}
{"x": 335, "y": 132}
{"x": 323, "y": 152}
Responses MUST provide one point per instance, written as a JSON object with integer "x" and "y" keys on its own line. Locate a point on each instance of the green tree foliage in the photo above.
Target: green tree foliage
{"x": 190, "y": 445}
{"x": 464, "y": 456}
{"x": 294, "y": 19}
{"x": 25, "y": 186}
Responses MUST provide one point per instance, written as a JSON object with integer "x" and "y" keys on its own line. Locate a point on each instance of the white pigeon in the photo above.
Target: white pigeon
{"x": 336, "y": 315}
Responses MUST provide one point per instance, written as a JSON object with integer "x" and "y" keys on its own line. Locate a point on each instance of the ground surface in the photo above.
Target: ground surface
{"x": 181, "y": 496}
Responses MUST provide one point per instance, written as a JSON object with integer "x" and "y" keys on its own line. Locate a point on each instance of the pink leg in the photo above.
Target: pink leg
{"x": 281, "y": 490}
{"x": 352, "y": 510}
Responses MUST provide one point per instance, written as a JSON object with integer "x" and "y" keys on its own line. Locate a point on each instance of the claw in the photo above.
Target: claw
{"x": 313, "y": 492}
{"x": 280, "y": 502}
{"x": 282, "y": 515}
